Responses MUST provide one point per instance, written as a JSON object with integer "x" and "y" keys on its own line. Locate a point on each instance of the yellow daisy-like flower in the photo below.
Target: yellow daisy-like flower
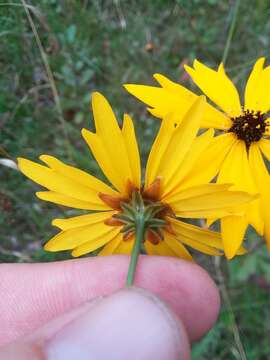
{"x": 236, "y": 155}
{"x": 168, "y": 191}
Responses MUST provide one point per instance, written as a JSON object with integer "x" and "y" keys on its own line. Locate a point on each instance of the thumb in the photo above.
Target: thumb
{"x": 129, "y": 324}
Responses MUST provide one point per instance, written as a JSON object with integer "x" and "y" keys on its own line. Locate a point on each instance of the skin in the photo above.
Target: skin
{"x": 45, "y": 305}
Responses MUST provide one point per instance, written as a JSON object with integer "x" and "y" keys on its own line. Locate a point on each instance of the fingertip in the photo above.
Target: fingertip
{"x": 130, "y": 323}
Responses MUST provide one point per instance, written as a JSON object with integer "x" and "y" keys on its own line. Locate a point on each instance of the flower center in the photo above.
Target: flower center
{"x": 140, "y": 202}
{"x": 250, "y": 126}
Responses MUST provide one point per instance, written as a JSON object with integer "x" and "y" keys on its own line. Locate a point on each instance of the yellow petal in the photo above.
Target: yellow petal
{"x": 198, "y": 146}
{"x": 202, "y": 248}
{"x": 196, "y": 191}
{"x": 74, "y": 237}
{"x": 150, "y": 248}
{"x": 91, "y": 245}
{"x": 97, "y": 147}
{"x": 204, "y": 236}
{"x": 166, "y": 100}
{"x": 257, "y": 88}
{"x": 207, "y": 213}
{"x": 78, "y": 175}
{"x": 209, "y": 162}
{"x": 217, "y": 86}
{"x": 132, "y": 150}
{"x": 162, "y": 101}
{"x": 181, "y": 141}
{"x": 265, "y": 147}
{"x": 174, "y": 88}
{"x": 82, "y": 220}
{"x": 108, "y": 146}
{"x": 124, "y": 247}
{"x": 68, "y": 201}
{"x": 160, "y": 249}
{"x": 176, "y": 246}
{"x": 213, "y": 118}
{"x": 205, "y": 200}
{"x": 241, "y": 250}
{"x": 262, "y": 180}
{"x": 236, "y": 170}
{"x": 199, "y": 246}
{"x": 212, "y": 239}
{"x": 233, "y": 230}
{"x": 110, "y": 247}
{"x": 157, "y": 150}
{"x": 64, "y": 183}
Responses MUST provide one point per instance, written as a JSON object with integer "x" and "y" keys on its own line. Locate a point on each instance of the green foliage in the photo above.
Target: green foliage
{"x": 98, "y": 45}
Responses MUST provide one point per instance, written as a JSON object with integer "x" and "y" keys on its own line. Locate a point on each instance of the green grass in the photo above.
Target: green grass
{"x": 98, "y": 45}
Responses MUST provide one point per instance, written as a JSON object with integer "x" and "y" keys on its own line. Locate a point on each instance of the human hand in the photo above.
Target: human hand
{"x": 61, "y": 311}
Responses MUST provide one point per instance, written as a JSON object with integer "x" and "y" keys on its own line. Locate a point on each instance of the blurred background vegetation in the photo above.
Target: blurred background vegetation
{"x": 98, "y": 45}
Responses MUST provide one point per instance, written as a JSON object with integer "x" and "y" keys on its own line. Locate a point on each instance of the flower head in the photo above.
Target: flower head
{"x": 236, "y": 154}
{"x": 166, "y": 195}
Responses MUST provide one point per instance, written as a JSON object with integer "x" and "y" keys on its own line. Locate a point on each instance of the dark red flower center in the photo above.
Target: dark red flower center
{"x": 250, "y": 126}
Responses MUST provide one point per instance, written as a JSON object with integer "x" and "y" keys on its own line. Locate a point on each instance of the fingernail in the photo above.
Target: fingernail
{"x": 130, "y": 324}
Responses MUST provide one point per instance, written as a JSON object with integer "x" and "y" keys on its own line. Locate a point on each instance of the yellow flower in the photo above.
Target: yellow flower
{"x": 168, "y": 189}
{"x": 236, "y": 154}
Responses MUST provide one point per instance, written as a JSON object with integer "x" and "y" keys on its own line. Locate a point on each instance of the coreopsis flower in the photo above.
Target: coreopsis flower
{"x": 167, "y": 193}
{"x": 236, "y": 155}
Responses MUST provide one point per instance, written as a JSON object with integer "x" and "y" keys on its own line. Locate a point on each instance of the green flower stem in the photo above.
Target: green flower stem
{"x": 140, "y": 230}
{"x": 231, "y": 31}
